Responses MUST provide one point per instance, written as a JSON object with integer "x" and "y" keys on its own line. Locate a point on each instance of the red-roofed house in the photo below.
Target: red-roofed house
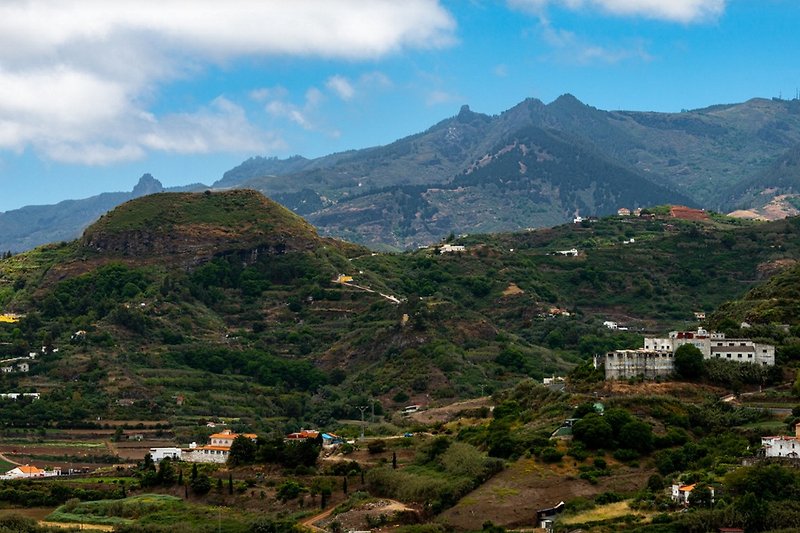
{"x": 682, "y": 493}
{"x": 218, "y": 448}
{"x": 303, "y": 434}
{"x": 29, "y": 471}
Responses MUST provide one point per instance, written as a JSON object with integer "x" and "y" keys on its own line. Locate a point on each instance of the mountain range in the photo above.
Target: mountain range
{"x": 533, "y": 165}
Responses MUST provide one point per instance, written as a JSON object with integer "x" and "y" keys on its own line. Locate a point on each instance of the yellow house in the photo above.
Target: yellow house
{"x": 9, "y": 319}
{"x": 344, "y": 279}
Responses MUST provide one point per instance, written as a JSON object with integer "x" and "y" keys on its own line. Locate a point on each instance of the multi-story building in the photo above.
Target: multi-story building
{"x": 657, "y": 357}
{"x": 715, "y": 345}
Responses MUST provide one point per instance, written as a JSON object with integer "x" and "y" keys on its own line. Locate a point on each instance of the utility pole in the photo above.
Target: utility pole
{"x": 372, "y": 414}
{"x": 362, "y": 408}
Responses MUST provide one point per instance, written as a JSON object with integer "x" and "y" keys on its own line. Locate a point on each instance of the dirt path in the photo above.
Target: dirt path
{"x": 448, "y": 412}
{"x": 80, "y": 526}
{"x": 6, "y": 459}
{"x": 308, "y": 523}
{"x": 389, "y": 297}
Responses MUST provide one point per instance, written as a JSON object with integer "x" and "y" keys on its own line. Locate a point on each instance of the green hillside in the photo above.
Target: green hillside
{"x": 175, "y": 310}
{"x": 777, "y": 301}
{"x": 231, "y": 301}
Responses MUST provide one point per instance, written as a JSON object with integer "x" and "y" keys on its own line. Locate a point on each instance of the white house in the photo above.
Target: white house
{"x": 572, "y": 252}
{"x": 30, "y": 471}
{"x": 159, "y": 454}
{"x": 218, "y": 449}
{"x": 17, "y": 395}
{"x": 683, "y": 493}
{"x": 782, "y": 445}
{"x": 611, "y": 324}
{"x": 450, "y": 248}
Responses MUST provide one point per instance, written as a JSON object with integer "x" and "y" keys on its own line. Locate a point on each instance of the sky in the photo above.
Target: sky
{"x": 95, "y": 93}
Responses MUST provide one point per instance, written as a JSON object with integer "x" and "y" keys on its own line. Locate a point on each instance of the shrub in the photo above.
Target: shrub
{"x": 625, "y": 454}
{"x": 551, "y": 455}
{"x": 376, "y": 446}
{"x": 289, "y": 490}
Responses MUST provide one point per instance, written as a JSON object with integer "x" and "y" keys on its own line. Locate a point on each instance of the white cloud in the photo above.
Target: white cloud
{"x": 341, "y": 86}
{"x": 375, "y": 79}
{"x": 570, "y": 48}
{"x": 222, "y": 126}
{"x": 77, "y": 77}
{"x": 298, "y": 114}
{"x": 684, "y": 11}
{"x": 437, "y": 97}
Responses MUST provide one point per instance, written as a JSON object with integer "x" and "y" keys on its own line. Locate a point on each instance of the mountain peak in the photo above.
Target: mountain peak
{"x": 566, "y": 100}
{"x": 147, "y": 185}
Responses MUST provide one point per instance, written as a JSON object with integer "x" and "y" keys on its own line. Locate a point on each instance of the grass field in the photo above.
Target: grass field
{"x": 600, "y": 514}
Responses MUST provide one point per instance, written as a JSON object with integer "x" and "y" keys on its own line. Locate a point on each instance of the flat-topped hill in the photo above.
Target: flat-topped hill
{"x": 195, "y": 226}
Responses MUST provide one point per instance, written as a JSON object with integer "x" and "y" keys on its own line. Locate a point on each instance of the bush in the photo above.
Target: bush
{"x": 289, "y": 490}
{"x": 625, "y": 455}
{"x": 551, "y": 455}
{"x": 376, "y": 446}
{"x": 608, "y": 497}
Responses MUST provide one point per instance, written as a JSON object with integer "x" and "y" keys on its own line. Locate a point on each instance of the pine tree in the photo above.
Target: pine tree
{"x": 230, "y": 483}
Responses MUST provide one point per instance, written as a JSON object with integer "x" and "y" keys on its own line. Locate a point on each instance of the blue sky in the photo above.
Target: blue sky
{"x": 95, "y": 93}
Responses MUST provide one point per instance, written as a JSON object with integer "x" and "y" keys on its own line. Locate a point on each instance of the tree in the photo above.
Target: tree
{"x": 689, "y": 361}
{"x": 194, "y": 472}
{"x": 593, "y": 431}
{"x": 701, "y": 496}
{"x": 655, "y": 483}
{"x": 166, "y": 472}
{"x": 201, "y": 484}
{"x": 243, "y": 451}
{"x": 230, "y": 483}
{"x": 637, "y": 435}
